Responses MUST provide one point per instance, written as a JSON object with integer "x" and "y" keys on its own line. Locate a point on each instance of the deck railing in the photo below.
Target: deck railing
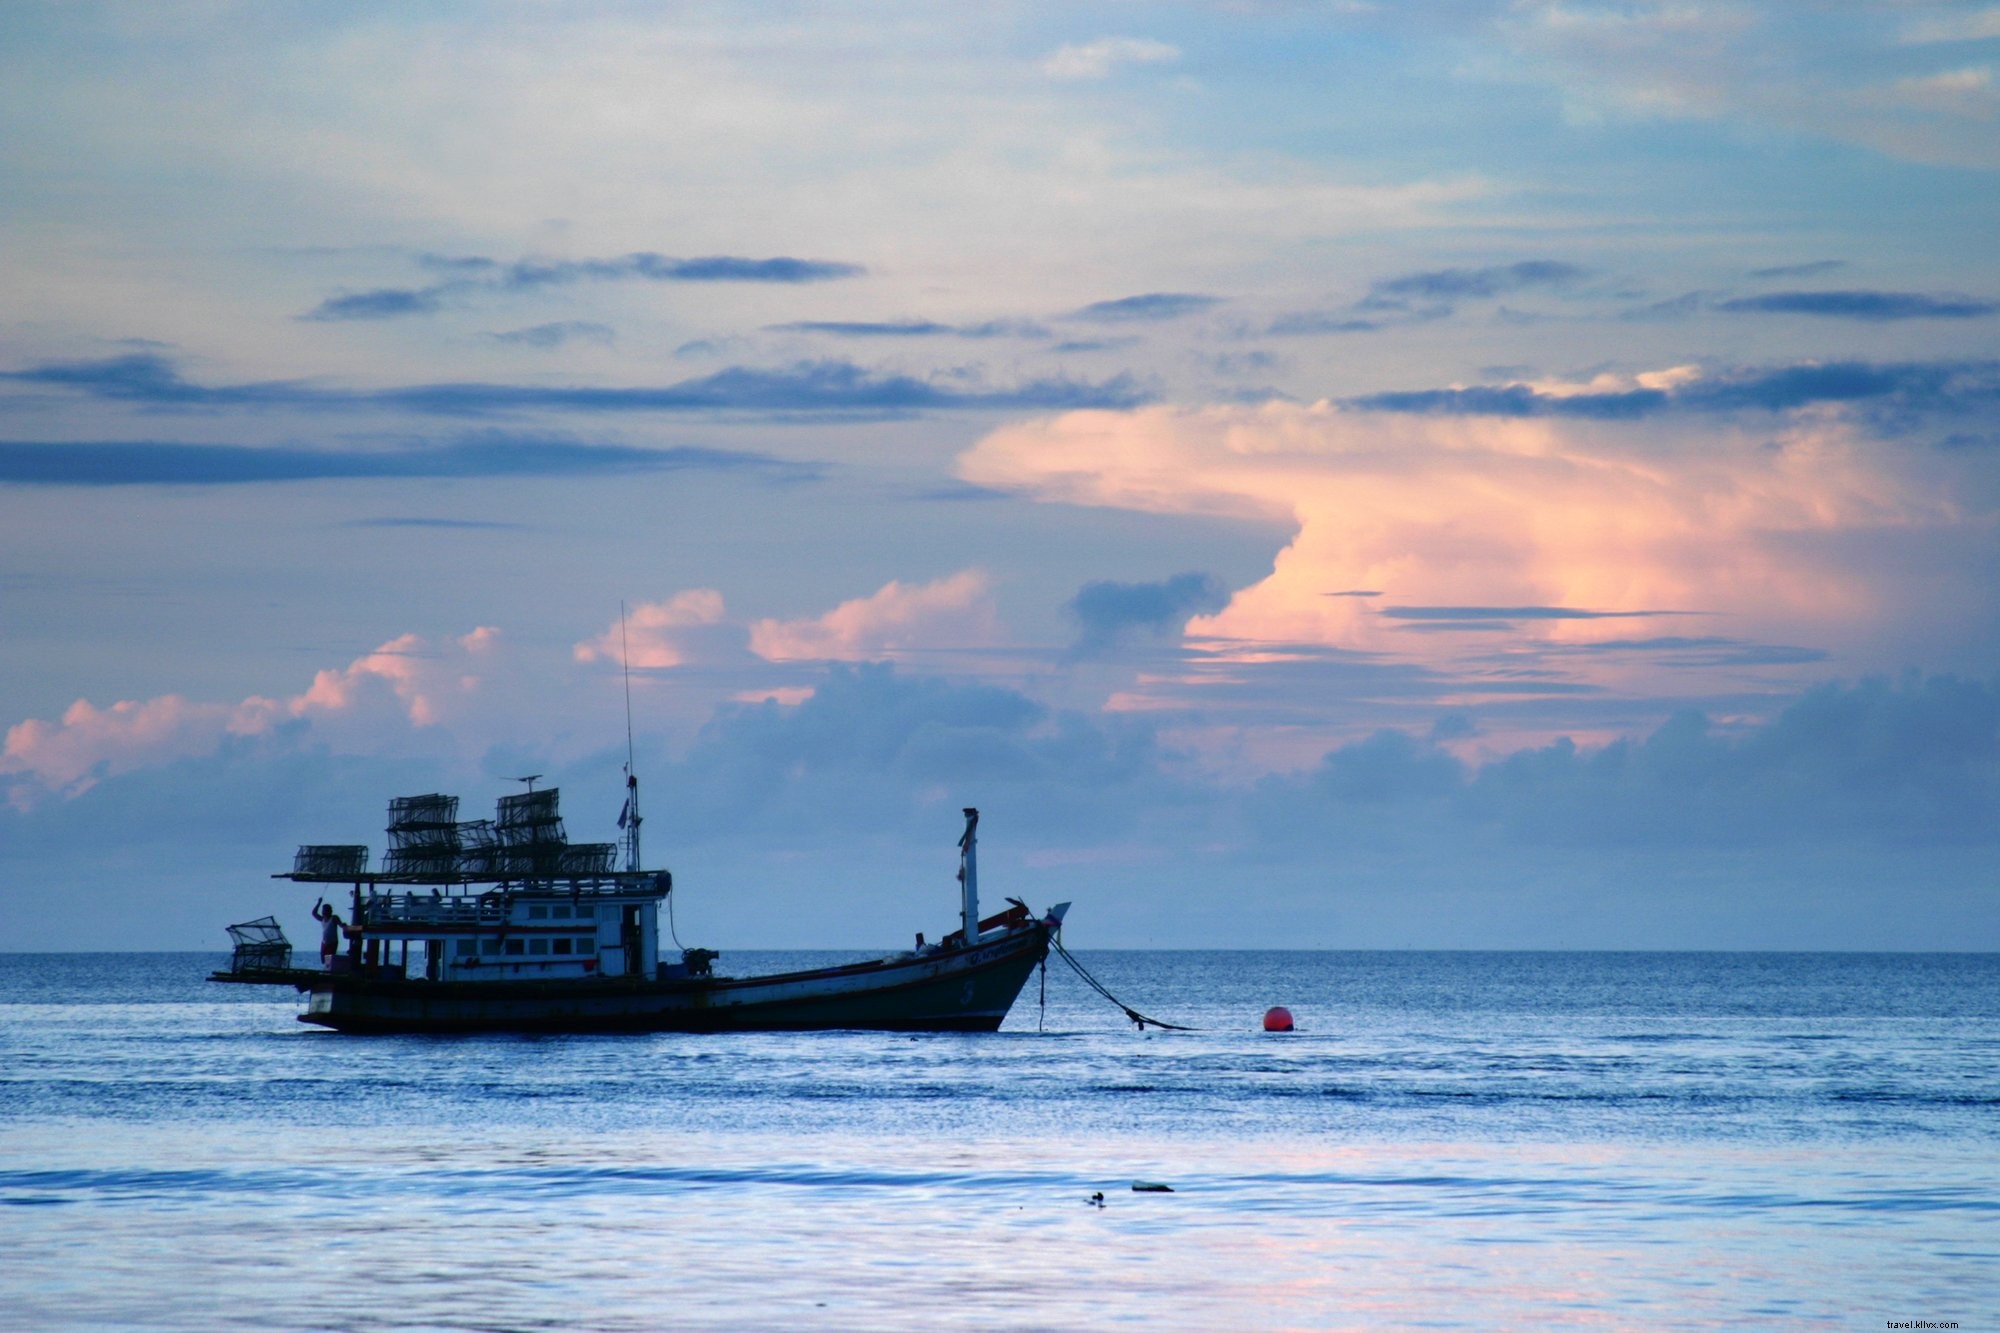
{"x": 385, "y": 909}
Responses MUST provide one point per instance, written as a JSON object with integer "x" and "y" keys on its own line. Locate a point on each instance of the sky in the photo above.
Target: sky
{"x": 1338, "y": 475}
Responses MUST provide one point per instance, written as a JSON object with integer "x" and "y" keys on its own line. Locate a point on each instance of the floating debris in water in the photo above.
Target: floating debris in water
{"x": 1151, "y": 1187}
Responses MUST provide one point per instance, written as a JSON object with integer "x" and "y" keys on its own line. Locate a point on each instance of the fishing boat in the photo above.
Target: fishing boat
{"x": 503, "y": 925}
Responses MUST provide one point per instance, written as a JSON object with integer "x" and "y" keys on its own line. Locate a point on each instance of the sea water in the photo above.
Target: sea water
{"x": 1448, "y": 1140}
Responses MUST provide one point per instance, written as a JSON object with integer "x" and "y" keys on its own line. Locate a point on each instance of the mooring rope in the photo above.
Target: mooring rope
{"x": 1138, "y": 1018}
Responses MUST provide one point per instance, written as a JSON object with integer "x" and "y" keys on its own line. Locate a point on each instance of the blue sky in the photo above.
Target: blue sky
{"x": 1350, "y": 475}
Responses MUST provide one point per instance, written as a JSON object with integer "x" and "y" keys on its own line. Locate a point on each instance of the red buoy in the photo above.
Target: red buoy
{"x": 1277, "y": 1019}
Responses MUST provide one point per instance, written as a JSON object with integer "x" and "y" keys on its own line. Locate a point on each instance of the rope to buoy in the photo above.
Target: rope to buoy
{"x": 1137, "y": 1018}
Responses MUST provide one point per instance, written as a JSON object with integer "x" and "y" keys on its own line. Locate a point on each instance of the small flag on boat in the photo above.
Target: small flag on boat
{"x": 624, "y": 812}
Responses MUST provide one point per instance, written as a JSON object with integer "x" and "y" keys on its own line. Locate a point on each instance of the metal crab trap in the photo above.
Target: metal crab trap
{"x": 259, "y": 945}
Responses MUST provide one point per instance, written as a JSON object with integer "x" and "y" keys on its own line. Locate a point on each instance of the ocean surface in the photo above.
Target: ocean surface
{"x": 1461, "y": 1140}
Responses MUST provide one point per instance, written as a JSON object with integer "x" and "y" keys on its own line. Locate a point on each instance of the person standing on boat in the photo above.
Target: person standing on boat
{"x": 329, "y": 931}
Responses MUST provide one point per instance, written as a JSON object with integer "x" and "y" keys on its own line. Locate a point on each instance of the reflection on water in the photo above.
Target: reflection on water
{"x": 1471, "y": 1140}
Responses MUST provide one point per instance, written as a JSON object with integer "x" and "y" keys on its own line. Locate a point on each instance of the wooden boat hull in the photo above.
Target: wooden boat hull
{"x": 958, "y": 990}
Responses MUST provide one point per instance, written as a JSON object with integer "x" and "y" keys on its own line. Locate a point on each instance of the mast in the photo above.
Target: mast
{"x": 628, "y": 818}
{"x": 968, "y": 874}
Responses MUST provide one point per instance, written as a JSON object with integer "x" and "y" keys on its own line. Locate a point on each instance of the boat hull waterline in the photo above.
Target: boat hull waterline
{"x": 964, "y": 990}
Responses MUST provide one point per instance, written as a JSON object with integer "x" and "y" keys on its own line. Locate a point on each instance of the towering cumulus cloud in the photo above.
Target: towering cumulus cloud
{"x": 1565, "y": 547}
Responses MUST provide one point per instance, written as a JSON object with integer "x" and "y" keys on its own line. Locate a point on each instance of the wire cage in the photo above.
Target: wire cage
{"x": 530, "y": 829}
{"x": 332, "y": 861}
{"x": 429, "y": 821}
{"x": 529, "y": 807}
{"x": 258, "y": 945}
{"x": 588, "y": 858}
{"x": 530, "y": 819}
{"x": 422, "y": 863}
{"x": 480, "y": 855}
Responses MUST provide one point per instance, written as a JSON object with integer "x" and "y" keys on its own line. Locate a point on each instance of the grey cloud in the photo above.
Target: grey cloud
{"x": 556, "y": 334}
{"x": 914, "y": 328}
{"x": 1905, "y": 386}
{"x": 472, "y": 273}
{"x": 1433, "y": 294}
{"x": 1868, "y": 306}
{"x": 1870, "y": 762}
{"x": 1108, "y": 612}
{"x": 1305, "y": 323}
{"x": 173, "y": 463}
{"x": 382, "y": 303}
{"x": 1508, "y": 613}
{"x": 1449, "y": 284}
{"x": 1147, "y": 308}
{"x": 1806, "y": 270}
{"x": 811, "y": 386}
{"x": 1096, "y": 345}
{"x": 852, "y": 755}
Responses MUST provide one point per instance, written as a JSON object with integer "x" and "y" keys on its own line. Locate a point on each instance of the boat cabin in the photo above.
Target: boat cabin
{"x": 507, "y": 899}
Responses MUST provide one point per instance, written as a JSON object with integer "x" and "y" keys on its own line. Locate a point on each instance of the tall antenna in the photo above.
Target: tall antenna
{"x": 625, "y": 663}
{"x": 628, "y": 818}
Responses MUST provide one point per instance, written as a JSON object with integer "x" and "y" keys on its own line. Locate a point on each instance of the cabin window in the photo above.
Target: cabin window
{"x": 489, "y": 946}
{"x": 538, "y": 946}
{"x": 538, "y": 913}
{"x": 560, "y": 946}
{"x": 588, "y": 944}
{"x": 466, "y": 947}
{"x": 516, "y": 947}
{"x": 560, "y": 911}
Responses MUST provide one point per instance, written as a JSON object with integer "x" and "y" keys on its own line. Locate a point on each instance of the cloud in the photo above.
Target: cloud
{"x": 1509, "y": 613}
{"x": 1096, "y": 60}
{"x": 1931, "y": 386}
{"x": 955, "y": 612}
{"x": 1146, "y": 308}
{"x": 805, "y": 386}
{"x": 840, "y": 328}
{"x": 172, "y": 463}
{"x": 1515, "y": 400}
{"x": 1305, "y": 323}
{"x": 447, "y": 524}
{"x": 1808, "y": 269}
{"x": 1516, "y": 538}
{"x": 1915, "y": 762}
{"x": 1107, "y": 612}
{"x": 1763, "y": 66}
{"x": 911, "y": 328}
{"x": 660, "y": 635}
{"x": 1428, "y": 295}
{"x": 730, "y": 268}
{"x": 895, "y": 755}
{"x": 382, "y": 303}
{"x": 1974, "y": 25}
{"x": 1873, "y": 307}
{"x": 476, "y": 273}
{"x": 1672, "y": 307}
{"x": 412, "y": 682}
{"x": 556, "y": 334}
{"x": 1079, "y": 345}
{"x": 1451, "y": 284}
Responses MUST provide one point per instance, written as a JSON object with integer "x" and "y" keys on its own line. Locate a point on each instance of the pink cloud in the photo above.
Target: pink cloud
{"x": 403, "y": 682}
{"x": 657, "y": 635}
{"x": 953, "y": 612}
{"x": 1737, "y": 531}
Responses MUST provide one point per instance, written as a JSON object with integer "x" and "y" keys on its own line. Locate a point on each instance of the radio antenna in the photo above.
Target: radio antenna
{"x": 628, "y": 818}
